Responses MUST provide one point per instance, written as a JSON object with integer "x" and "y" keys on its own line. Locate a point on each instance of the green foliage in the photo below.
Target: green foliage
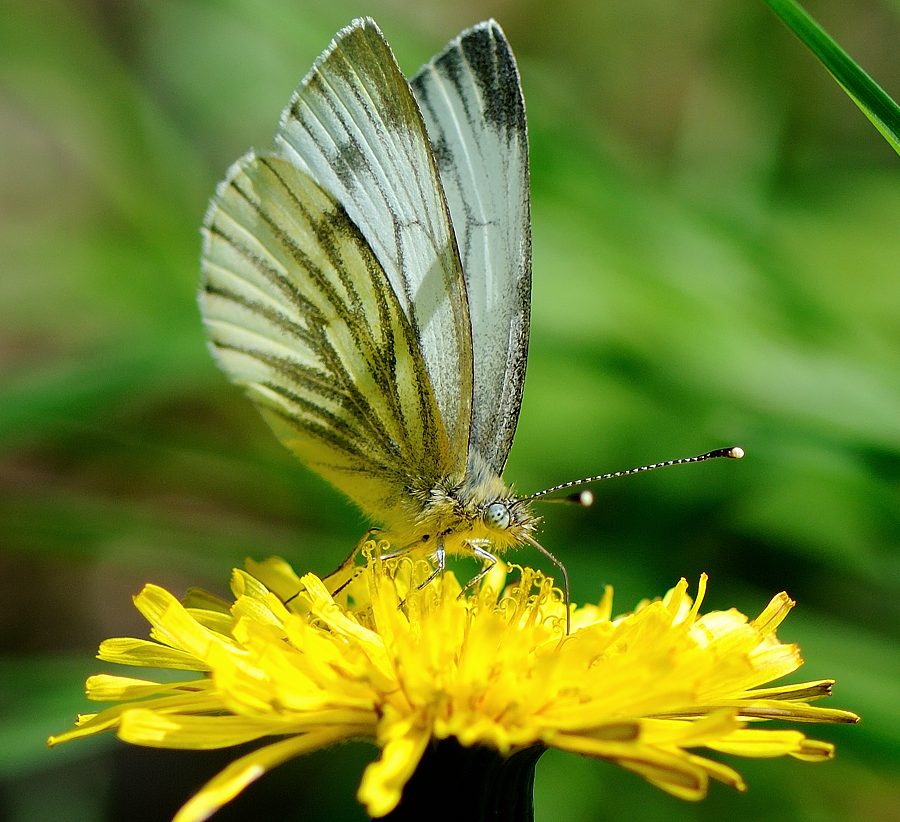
{"x": 715, "y": 263}
{"x": 872, "y": 100}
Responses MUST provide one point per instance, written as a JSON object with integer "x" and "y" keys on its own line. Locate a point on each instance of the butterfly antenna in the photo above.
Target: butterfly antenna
{"x": 585, "y": 498}
{"x": 565, "y": 575}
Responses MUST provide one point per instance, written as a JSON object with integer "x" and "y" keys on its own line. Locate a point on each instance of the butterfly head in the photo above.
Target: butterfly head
{"x": 497, "y": 516}
{"x": 477, "y": 507}
{"x": 490, "y": 509}
{"x": 508, "y": 520}
{"x": 501, "y": 522}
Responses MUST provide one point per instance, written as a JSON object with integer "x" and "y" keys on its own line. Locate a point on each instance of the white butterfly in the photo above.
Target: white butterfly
{"x": 368, "y": 283}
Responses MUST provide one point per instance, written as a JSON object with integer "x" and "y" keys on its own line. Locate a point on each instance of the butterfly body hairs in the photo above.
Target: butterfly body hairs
{"x": 368, "y": 283}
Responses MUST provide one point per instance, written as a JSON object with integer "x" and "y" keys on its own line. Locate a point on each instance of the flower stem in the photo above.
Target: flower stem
{"x": 476, "y": 784}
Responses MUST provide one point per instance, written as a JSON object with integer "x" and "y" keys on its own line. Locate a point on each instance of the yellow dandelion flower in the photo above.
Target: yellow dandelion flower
{"x": 483, "y": 670}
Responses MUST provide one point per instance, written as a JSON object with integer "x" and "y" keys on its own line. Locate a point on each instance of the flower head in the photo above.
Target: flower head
{"x": 492, "y": 667}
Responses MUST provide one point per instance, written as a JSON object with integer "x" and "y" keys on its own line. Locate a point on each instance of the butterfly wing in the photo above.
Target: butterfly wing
{"x": 300, "y": 313}
{"x": 354, "y": 126}
{"x": 471, "y": 99}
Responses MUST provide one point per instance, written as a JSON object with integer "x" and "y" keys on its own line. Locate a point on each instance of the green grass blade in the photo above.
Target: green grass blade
{"x": 873, "y": 100}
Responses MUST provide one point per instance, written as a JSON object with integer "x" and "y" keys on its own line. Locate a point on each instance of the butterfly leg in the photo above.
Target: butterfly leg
{"x": 489, "y": 562}
{"x": 348, "y": 570}
{"x": 397, "y": 552}
{"x": 440, "y": 557}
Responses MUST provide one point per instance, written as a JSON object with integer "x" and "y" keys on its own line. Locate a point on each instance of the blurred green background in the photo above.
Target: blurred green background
{"x": 716, "y": 261}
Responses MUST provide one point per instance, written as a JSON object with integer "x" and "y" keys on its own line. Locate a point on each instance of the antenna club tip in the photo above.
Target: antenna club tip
{"x": 736, "y": 453}
{"x": 583, "y": 498}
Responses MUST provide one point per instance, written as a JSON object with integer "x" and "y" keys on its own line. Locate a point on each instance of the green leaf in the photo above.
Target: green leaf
{"x": 873, "y": 100}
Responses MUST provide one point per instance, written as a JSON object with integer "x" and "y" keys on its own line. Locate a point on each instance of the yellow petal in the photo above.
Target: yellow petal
{"x": 383, "y": 781}
{"x": 111, "y": 717}
{"x": 173, "y": 625}
{"x": 146, "y": 654}
{"x": 667, "y": 732}
{"x": 774, "y": 613}
{"x": 276, "y": 574}
{"x": 226, "y": 785}
{"x": 768, "y": 743}
{"x": 814, "y": 750}
{"x": 107, "y": 688}
{"x": 672, "y": 771}
{"x": 157, "y": 730}
{"x": 800, "y": 691}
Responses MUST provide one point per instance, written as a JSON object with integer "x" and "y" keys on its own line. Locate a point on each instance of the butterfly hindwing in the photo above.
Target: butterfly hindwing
{"x": 300, "y": 313}
{"x": 355, "y": 127}
{"x": 471, "y": 99}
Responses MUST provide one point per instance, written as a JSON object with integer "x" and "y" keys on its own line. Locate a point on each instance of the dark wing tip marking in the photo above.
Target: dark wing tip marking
{"x": 491, "y": 62}
{"x": 494, "y": 67}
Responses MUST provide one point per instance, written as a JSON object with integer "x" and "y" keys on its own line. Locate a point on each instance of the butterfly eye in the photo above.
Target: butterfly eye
{"x": 497, "y": 516}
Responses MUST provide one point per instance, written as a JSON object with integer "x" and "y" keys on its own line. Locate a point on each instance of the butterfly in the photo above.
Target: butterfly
{"x": 367, "y": 282}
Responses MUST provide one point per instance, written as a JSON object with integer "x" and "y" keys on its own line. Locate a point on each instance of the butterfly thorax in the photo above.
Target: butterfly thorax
{"x": 475, "y": 507}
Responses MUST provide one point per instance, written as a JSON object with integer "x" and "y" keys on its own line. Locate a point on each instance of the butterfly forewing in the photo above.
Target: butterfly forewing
{"x": 471, "y": 99}
{"x": 300, "y": 312}
{"x": 354, "y": 125}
